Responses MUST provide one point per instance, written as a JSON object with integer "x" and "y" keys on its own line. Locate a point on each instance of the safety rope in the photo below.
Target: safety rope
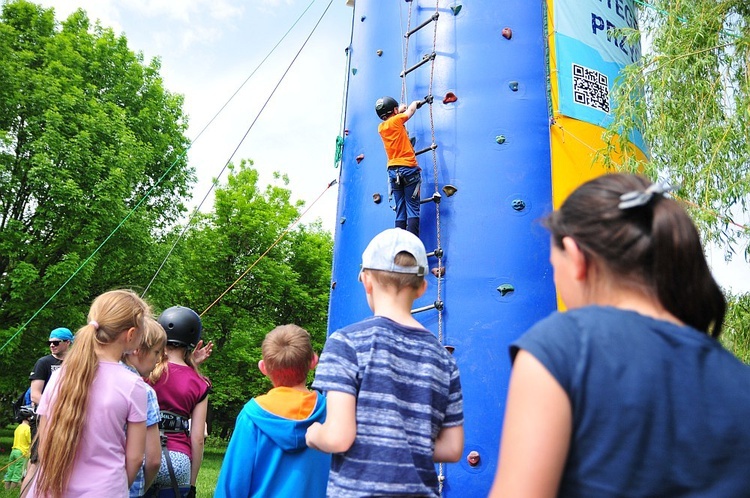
{"x": 278, "y": 239}
{"x": 405, "y": 49}
{"x": 438, "y": 234}
{"x": 231, "y": 156}
{"x": 153, "y": 187}
{"x": 344, "y": 100}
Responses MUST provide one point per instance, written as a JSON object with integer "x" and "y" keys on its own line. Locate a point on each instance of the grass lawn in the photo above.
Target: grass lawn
{"x": 209, "y": 474}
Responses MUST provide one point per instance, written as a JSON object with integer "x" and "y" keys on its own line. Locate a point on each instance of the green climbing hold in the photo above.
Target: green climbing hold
{"x": 505, "y": 289}
{"x": 354, "y": 70}
{"x": 456, "y": 9}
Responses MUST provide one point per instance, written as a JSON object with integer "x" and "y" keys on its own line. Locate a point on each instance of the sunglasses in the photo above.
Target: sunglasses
{"x": 55, "y": 343}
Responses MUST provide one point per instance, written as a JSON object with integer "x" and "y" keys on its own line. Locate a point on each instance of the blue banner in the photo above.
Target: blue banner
{"x": 590, "y": 56}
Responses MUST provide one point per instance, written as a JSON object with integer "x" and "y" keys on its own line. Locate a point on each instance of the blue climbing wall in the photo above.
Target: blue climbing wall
{"x": 497, "y": 278}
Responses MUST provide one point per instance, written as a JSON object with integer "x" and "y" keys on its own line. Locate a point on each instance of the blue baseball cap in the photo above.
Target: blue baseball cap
{"x": 62, "y": 334}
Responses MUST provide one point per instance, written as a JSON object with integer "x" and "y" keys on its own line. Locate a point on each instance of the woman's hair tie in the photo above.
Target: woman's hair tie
{"x": 638, "y": 198}
{"x": 94, "y": 324}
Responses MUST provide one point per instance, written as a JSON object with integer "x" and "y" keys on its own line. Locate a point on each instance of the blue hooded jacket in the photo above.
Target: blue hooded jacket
{"x": 267, "y": 457}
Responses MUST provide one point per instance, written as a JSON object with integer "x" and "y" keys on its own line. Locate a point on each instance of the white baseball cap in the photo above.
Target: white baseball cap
{"x": 383, "y": 248}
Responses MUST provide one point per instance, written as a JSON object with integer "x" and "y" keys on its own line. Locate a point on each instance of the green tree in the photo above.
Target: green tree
{"x": 690, "y": 98}
{"x": 86, "y": 130}
{"x": 288, "y": 281}
{"x": 736, "y": 335}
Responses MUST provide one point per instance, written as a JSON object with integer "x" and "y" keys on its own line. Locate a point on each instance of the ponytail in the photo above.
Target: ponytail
{"x": 58, "y": 443}
{"x": 624, "y": 225}
{"x": 111, "y": 314}
{"x": 684, "y": 283}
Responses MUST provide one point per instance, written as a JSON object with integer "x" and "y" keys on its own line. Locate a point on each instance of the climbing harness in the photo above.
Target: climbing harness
{"x": 172, "y": 423}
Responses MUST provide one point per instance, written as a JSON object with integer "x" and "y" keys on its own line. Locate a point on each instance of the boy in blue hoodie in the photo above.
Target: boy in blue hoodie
{"x": 267, "y": 455}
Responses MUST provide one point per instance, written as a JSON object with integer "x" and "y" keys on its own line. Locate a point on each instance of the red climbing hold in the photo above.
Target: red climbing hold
{"x": 360, "y": 157}
{"x": 450, "y": 97}
{"x": 507, "y": 33}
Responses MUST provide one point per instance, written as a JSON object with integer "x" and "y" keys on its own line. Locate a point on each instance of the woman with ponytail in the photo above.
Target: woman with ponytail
{"x": 628, "y": 393}
{"x": 83, "y": 450}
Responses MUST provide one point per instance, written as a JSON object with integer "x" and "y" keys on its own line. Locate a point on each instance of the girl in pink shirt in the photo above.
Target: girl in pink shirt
{"x": 83, "y": 451}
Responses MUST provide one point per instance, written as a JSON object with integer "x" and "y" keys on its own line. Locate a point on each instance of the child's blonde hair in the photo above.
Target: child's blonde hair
{"x": 154, "y": 335}
{"x": 288, "y": 355}
{"x": 111, "y": 314}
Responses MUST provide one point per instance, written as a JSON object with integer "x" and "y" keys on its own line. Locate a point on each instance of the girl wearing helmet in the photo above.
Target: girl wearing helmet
{"x": 183, "y": 400}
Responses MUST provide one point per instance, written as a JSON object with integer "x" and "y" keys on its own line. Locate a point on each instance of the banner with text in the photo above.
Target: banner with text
{"x": 590, "y": 56}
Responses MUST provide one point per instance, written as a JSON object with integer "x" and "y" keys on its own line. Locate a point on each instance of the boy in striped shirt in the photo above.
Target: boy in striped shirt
{"x": 394, "y": 398}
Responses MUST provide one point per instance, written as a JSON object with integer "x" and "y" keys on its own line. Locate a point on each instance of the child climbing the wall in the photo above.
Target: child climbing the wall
{"x": 404, "y": 175}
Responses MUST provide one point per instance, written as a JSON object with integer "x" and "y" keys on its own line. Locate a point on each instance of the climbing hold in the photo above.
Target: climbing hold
{"x": 376, "y": 198}
{"x": 449, "y": 190}
{"x": 507, "y": 33}
{"x": 500, "y": 139}
{"x": 360, "y": 157}
{"x": 438, "y": 272}
{"x": 449, "y": 98}
{"x": 513, "y": 85}
{"x": 473, "y": 458}
{"x": 346, "y": 50}
{"x": 518, "y": 205}
{"x": 333, "y": 284}
{"x": 379, "y": 52}
{"x": 342, "y": 220}
{"x": 505, "y": 289}
{"x": 456, "y": 9}
{"x": 346, "y": 133}
{"x": 450, "y": 349}
{"x": 354, "y": 70}
{"x": 362, "y": 19}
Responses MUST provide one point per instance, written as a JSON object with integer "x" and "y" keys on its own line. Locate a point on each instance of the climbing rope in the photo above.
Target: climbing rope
{"x": 438, "y": 304}
{"x": 344, "y": 99}
{"x": 438, "y": 235}
{"x": 231, "y": 156}
{"x": 405, "y": 48}
{"x": 155, "y": 185}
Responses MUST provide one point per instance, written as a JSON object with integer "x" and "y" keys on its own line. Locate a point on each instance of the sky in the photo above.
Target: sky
{"x": 208, "y": 48}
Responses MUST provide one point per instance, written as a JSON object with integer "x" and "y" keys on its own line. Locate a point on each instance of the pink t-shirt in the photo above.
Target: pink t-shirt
{"x": 179, "y": 390}
{"x": 117, "y": 396}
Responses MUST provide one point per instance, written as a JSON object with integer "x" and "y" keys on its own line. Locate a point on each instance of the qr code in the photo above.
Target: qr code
{"x": 590, "y": 88}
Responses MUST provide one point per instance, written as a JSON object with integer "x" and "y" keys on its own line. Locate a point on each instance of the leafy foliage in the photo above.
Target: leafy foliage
{"x": 86, "y": 130}
{"x": 280, "y": 276}
{"x": 690, "y": 98}
{"x": 736, "y": 335}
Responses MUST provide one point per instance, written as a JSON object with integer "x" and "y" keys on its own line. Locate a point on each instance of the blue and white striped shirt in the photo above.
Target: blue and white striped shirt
{"x": 407, "y": 388}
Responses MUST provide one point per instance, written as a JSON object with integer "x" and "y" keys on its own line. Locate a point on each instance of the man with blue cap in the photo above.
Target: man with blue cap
{"x": 59, "y": 342}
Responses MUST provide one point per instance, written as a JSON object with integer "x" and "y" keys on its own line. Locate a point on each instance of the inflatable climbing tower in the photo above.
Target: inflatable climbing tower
{"x": 516, "y": 95}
